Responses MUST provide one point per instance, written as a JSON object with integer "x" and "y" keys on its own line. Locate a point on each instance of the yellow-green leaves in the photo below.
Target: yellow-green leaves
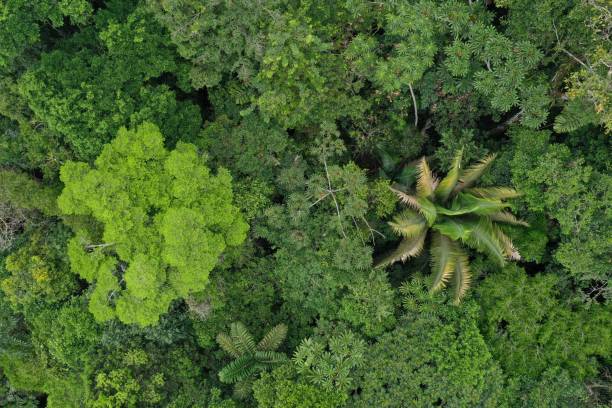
{"x": 474, "y": 172}
{"x": 456, "y": 216}
{"x": 448, "y": 183}
{"x": 166, "y": 220}
{"x": 426, "y": 182}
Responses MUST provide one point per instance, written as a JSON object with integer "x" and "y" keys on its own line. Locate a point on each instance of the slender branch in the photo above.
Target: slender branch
{"x": 503, "y": 126}
{"x": 92, "y": 246}
{"x": 333, "y": 197}
{"x": 414, "y": 103}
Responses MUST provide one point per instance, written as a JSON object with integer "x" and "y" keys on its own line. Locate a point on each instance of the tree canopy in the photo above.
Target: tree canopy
{"x": 204, "y": 203}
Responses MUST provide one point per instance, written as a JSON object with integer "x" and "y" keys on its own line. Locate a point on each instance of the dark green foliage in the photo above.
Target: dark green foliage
{"x": 530, "y": 327}
{"x": 435, "y": 355}
{"x": 576, "y": 196}
{"x": 97, "y": 82}
{"x": 282, "y": 389}
{"x": 22, "y": 191}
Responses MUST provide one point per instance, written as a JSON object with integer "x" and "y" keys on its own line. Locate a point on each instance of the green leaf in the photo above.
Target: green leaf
{"x": 238, "y": 370}
{"x": 495, "y": 193}
{"x": 454, "y": 228}
{"x": 226, "y": 343}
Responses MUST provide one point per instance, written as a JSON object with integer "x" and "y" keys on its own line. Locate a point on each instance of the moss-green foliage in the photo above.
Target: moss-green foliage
{"x": 282, "y": 389}
{"x": 166, "y": 221}
{"x": 369, "y": 304}
{"x": 38, "y": 272}
{"x": 22, "y": 191}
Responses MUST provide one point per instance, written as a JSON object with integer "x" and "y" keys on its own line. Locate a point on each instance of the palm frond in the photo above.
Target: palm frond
{"x": 428, "y": 210}
{"x": 408, "y": 247}
{"x": 496, "y": 193}
{"x": 273, "y": 339}
{"x": 466, "y": 203}
{"x": 461, "y": 276}
{"x": 426, "y": 182}
{"x": 507, "y": 218}
{"x": 442, "y": 260}
{"x": 509, "y": 250}
{"x": 455, "y": 228}
{"x": 408, "y": 224}
{"x": 227, "y": 344}
{"x": 269, "y": 357}
{"x": 448, "y": 183}
{"x": 242, "y": 339}
{"x": 473, "y": 173}
{"x": 410, "y": 200}
{"x": 483, "y": 238}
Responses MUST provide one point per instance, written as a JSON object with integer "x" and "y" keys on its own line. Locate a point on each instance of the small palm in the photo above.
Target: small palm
{"x": 249, "y": 357}
{"x": 453, "y": 212}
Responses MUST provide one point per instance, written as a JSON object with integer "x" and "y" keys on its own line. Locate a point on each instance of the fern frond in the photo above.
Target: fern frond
{"x": 242, "y": 339}
{"x": 576, "y": 114}
{"x": 442, "y": 260}
{"x": 408, "y": 247}
{"x": 426, "y": 182}
{"x": 495, "y": 193}
{"x": 410, "y": 200}
{"x": 227, "y": 344}
{"x": 507, "y": 218}
{"x": 462, "y": 276}
{"x": 273, "y": 339}
{"x": 237, "y": 370}
{"x": 408, "y": 224}
{"x": 448, "y": 183}
{"x": 473, "y": 173}
{"x": 483, "y": 238}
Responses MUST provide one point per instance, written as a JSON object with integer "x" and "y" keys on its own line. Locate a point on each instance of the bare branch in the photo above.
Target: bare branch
{"x": 414, "y": 104}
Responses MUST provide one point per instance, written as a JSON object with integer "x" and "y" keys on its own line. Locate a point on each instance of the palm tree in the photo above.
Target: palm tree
{"x": 249, "y": 357}
{"x": 454, "y": 213}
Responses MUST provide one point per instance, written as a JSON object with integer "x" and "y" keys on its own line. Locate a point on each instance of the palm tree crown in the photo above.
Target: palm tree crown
{"x": 453, "y": 212}
{"x": 249, "y": 357}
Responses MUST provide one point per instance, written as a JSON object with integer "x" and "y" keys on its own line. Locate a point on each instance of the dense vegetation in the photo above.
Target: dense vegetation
{"x": 240, "y": 203}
